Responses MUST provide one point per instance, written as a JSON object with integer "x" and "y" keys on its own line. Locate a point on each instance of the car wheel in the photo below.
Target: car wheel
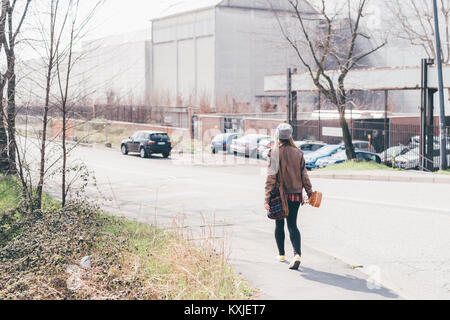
{"x": 124, "y": 150}
{"x": 166, "y": 155}
{"x": 143, "y": 153}
{"x": 235, "y": 154}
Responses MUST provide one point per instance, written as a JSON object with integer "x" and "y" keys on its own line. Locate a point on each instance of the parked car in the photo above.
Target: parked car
{"x": 415, "y": 141}
{"x": 306, "y": 146}
{"x": 388, "y": 156}
{"x": 222, "y": 142}
{"x": 338, "y": 157}
{"x": 309, "y": 146}
{"x": 264, "y": 148}
{"x": 324, "y": 152}
{"x": 341, "y": 156}
{"x": 248, "y": 145}
{"x": 411, "y": 159}
{"x": 147, "y": 143}
{"x": 368, "y": 156}
{"x": 361, "y": 145}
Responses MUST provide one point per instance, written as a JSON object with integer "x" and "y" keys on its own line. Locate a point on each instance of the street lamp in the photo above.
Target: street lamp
{"x": 443, "y": 165}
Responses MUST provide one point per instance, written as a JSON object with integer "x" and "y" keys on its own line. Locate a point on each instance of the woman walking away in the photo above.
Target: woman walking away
{"x": 287, "y": 169}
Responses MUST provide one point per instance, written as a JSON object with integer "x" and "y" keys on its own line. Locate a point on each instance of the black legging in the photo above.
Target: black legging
{"x": 293, "y": 230}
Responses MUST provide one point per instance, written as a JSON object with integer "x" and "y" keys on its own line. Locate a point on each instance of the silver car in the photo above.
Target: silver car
{"x": 411, "y": 159}
{"x": 362, "y": 145}
{"x": 389, "y": 156}
{"x": 264, "y": 148}
{"x": 309, "y": 146}
{"x": 306, "y": 146}
{"x": 248, "y": 145}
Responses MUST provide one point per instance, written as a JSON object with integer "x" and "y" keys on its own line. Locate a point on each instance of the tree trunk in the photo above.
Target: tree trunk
{"x": 347, "y": 136}
{"x": 63, "y": 186}
{"x": 4, "y": 160}
{"x": 11, "y": 114}
{"x": 44, "y": 136}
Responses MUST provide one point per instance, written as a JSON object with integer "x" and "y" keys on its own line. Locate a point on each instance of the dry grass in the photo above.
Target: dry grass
{"x": 166, "y": 265}
{"x": 40, "y": 256}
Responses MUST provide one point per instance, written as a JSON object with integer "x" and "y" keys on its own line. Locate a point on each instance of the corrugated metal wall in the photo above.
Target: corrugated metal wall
{"x": 249, "y": 46}
{"x": 118, "y": 64}
{"x": 217, "y": 56}
{"x": 183, "y": 59}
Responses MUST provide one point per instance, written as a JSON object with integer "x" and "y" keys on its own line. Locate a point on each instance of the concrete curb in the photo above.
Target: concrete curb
{"x": 420, "y": 178}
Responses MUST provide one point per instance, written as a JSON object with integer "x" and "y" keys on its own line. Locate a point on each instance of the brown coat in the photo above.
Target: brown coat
{"x": 290, "y": 169}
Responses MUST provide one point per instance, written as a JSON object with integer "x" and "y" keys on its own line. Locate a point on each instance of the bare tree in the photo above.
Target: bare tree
{"x": 414, "y": 22}
{"x": 8, "y": 39}
{"x": 51, "y": 32}
{"x": 66, "y": 59}
{"x": 330, "y": 44}
{"x": 4, "y": 160}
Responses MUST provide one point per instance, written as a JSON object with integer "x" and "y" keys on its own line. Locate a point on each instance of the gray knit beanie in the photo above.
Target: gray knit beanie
{"x": 284, "y": 131}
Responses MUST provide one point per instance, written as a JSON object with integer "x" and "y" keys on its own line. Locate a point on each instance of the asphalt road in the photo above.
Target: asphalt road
{"x": 370, "y": 240}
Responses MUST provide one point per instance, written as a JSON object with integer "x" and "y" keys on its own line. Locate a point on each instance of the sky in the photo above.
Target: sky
{"x": 115, "y": 17}
{"x": 122, "y": 16}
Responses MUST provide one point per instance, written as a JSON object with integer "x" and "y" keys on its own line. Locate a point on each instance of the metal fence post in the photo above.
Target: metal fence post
{"x": 386, "y": 141}
{"x": 443, "y": 164}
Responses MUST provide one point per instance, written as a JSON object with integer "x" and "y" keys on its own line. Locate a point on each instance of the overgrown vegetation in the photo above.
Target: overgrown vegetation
{"x": 40, "y": 256}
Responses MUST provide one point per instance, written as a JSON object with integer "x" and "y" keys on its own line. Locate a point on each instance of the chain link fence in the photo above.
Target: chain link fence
{"x": 398, "y": 145}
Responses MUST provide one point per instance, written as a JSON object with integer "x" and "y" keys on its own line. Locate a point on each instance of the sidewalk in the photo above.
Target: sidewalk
{"x": 383, "y": 175}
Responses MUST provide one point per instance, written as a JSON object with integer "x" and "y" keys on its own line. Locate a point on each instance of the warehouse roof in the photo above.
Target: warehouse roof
{"x": 119, "y": 39}
{"x": 185, "y": 6}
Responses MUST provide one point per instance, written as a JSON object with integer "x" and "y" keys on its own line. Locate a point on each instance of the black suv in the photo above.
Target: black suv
{"x": 147, "y": 143}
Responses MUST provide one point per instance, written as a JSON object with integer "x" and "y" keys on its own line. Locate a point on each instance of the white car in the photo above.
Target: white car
{"x": 388, "y": 156}
{"x": 329, "y": 161}
{"x": 248, "y": 145}
{"x": 411, "y": 160}
{"x": 309, "y": 146}
{"x": 264, "y": 147}
{"x": 362, "y": 145}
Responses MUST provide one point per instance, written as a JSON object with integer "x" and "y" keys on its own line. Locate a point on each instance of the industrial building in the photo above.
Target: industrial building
{"x": 212, "y": 55}
{"x": 117, "y": 69}
{"x": 215, "y": 53}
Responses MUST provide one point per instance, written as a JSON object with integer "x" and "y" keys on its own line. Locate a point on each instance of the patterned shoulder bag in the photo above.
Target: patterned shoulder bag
{"x": 278, "y": 203}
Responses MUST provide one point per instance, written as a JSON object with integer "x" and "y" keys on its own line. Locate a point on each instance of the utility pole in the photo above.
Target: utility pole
{"x": 289, "y": 95}
{"x": 441, "y": 90}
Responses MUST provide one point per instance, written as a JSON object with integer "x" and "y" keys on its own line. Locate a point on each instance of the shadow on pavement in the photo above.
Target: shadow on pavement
{"x": 346, "y": 282}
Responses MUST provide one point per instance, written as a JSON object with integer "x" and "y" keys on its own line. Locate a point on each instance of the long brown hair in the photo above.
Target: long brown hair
{"x": 289, "y": 142}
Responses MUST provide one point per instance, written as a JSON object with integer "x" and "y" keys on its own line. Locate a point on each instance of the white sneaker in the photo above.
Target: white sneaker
{"x": 296, "y": 262}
